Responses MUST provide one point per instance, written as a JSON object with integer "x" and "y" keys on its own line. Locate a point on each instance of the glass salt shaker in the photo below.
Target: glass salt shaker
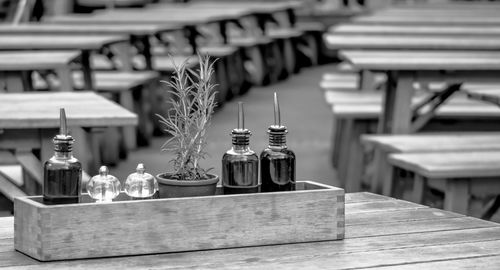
{"x": 141, "y": 185}
{"x": 103, "y": 187}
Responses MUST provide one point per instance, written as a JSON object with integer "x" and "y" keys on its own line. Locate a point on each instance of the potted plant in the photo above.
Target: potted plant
{"x": 193, "y": 103}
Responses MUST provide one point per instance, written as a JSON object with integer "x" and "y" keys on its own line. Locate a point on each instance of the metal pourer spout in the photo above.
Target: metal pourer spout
{"x": 241, "y": 135}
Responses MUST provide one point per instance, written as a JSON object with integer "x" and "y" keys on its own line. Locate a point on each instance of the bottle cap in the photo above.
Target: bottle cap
{"x": 141, "y": 184}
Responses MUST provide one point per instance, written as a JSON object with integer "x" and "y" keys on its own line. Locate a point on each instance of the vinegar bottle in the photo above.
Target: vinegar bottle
{"x": 277, "y": 162}
{"x": 62, "y": 174}
{"x": 240, "y": 165}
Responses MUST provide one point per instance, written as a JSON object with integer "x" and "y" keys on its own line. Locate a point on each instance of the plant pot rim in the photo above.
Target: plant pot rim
{"x": 162, "y": 179}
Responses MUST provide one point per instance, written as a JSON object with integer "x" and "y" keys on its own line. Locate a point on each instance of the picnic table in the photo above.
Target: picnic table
{"x": 30, "y": 120}
{"x": 404, "y": 67}
{"x": 16, "y": 67}
{"x": 85, "y": 43}
{"x": 380, "y": 232}
{"x": 139, "y": 33}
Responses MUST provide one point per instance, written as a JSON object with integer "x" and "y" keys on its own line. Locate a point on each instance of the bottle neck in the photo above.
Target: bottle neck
{"x": 277, "y": 139}
{"x": 241, "y": 148}
{"x": 63, "y": 154}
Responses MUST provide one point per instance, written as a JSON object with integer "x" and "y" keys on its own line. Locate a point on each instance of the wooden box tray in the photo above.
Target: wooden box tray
{"x": 313, "y": 212}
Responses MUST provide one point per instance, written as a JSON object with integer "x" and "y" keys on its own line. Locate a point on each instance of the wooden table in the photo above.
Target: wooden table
{"x": 85, "y": 43}
{"x": 380, "y": 232}
{"x": 138, "y": 33}
{"x": 16, "y": 67}
{"x": 428, "y": 20}
{"x": 30, "y": 120}
{"x": 405, "y": 67}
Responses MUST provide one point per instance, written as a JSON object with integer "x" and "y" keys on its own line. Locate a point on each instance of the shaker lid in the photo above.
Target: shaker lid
{"x": 140, "y": 174}
{"x": 104, "y": 175}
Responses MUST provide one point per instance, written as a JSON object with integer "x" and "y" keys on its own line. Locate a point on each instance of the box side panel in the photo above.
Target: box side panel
{"x": 27, "y": 230}
{"x": 184, "y": 224}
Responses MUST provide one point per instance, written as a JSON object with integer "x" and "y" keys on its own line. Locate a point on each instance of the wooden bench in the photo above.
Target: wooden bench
{"x": 384, "y": 145}
{"x": 459, "y": 175}
{"x": 357, "y": 113}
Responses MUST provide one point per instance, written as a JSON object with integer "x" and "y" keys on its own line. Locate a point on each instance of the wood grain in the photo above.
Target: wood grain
{"x": 41, "y": 110}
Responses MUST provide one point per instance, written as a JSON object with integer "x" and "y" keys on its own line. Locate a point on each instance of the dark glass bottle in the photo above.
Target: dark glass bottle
{"x": 62, "y": 173}
{"x": 240, "y": 165}
{"x": 277, "y": 162}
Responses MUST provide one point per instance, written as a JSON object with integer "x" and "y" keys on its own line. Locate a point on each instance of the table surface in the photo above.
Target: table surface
{"x": 380, "y": 232}
{"x": 41, "y": 110}
{"x": 79, "y": 29}
{"x": 60, "y": 42}
{"x": 36, "y": 60}
{"x": 337, "y": 41}
{"x": 415, "y": 60}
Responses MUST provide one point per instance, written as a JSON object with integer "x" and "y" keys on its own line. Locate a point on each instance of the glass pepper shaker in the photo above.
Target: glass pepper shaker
{"x": 140, "y": 184}
{"x": 103, "y": 187}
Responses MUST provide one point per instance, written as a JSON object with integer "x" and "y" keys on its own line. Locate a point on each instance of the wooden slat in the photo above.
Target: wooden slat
{"x": 338, "y": 41}
{"x": 450, "y": 164}
{"x": 487, "y": 262}
{"x": 59, "y": 42}
{"x": 434, "y": 142}
{"x": 423, "y": 60}
{"x": 9, "y": 190}
{"x": 72, "y": 29}
{"x": 36, "y": 60}
{"x": 464, "y": 30}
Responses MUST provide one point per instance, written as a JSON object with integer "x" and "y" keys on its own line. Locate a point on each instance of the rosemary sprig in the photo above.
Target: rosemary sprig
{"x": 192, "y": 105}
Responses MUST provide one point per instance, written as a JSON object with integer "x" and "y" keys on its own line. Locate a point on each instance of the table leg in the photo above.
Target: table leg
{"x": 130, "y": 137}
{"x": 396, "y": 116}
{"x": 456, "y": 197}
{"x": 66, "y": 79}
{"x": 382, "y": 172}
{"x": 87, "y": 70}
{"x": 354, "y": 171}
{"x": 146, "y": 52}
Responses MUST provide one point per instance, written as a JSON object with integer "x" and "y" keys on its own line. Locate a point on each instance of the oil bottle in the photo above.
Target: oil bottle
{"x": 62, "y": 174}
{"x": 240, "y": 165}
{"x": 277, "y": 162}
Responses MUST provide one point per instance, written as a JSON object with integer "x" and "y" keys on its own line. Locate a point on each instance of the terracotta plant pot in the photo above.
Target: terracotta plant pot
{"x": 172, "y": 188}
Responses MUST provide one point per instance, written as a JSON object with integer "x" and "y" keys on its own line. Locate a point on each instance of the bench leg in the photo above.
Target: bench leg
{"x": 16, "y": 81}
{"x": 457, "y": 195}
{"x": 419, "y": 187}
